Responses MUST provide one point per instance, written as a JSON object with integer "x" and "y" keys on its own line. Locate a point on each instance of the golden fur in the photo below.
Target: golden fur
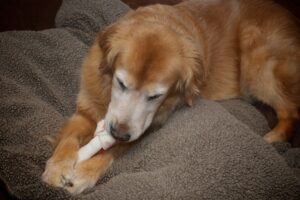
{"x": 218, "y": 49}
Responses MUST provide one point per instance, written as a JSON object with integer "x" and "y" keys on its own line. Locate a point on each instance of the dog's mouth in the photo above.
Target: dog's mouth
{"x": 120, "y": 137}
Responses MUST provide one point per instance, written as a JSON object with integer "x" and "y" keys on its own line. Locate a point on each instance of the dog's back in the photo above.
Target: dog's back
{"x": 251, "y": 48}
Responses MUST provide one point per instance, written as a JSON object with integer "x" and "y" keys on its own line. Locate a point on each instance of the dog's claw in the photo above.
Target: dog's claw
{"x": 59, "y": 174}
{"x": 66, "y": 182}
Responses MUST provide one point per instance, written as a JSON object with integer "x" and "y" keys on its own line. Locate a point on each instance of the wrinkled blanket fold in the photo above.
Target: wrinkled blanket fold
{"x": 213, "y": 150}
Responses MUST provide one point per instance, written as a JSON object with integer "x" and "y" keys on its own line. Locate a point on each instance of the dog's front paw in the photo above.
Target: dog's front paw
{"x": 59, "y": 173}
{"x": 87, "y": 173}
{"x": 82, "y": 180}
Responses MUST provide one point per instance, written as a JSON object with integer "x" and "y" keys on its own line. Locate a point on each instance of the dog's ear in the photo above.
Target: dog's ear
{"x": 192, "y": 77}
{"x": 193, "y": 73}
{"x": 191, "y": 91}
{"x": 109, "y": 54}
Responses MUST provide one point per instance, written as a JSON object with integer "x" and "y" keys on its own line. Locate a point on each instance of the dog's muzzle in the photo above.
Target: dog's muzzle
{"x": 119, "y": 132}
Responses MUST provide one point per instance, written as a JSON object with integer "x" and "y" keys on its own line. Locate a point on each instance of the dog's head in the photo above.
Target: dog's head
{"x": 151, "y": 72}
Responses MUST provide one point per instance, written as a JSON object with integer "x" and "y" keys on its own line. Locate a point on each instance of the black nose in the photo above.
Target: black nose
{"x": 118, "y": 135}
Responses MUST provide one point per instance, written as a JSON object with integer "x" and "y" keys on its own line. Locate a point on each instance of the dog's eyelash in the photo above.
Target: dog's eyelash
{"x": 121, "y": 84}
{"x": 150, "y": 98}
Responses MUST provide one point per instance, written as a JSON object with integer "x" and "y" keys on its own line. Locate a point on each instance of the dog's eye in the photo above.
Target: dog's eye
{"x": 153, "y": 97}
{"x": 121, "y": 84}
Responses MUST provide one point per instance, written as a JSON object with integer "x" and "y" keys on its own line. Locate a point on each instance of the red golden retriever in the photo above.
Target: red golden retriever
{"x": 142, "y": 67}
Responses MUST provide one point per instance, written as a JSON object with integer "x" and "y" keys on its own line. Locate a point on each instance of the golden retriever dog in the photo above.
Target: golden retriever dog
{"x": 155, "y": 58}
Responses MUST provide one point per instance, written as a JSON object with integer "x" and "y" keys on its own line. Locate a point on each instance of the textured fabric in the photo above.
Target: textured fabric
{"x": 213, "y": 150}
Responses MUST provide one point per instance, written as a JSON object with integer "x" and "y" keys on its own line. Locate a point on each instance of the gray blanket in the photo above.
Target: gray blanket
{"x": 213, "y": 150}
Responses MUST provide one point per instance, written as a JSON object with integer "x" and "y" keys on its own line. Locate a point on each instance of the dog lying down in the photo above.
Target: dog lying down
{"x": 156, "y": 58}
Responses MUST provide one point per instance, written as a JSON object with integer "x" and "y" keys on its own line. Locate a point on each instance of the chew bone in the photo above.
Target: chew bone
{"x": 101, "y": 140}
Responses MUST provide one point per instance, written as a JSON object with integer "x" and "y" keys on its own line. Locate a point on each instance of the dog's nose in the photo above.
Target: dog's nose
{"x": 119, "y": 132}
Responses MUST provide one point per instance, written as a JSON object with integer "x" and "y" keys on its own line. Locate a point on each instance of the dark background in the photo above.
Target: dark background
{"x": 40, "y": 14}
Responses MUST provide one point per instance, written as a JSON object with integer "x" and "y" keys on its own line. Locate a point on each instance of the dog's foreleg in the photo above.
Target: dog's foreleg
{"x": 88, "y": 172}
{"x": 59, "y": 168}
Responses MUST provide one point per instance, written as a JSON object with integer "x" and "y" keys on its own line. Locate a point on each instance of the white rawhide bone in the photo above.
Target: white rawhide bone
{"x": 101, "y": 140}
